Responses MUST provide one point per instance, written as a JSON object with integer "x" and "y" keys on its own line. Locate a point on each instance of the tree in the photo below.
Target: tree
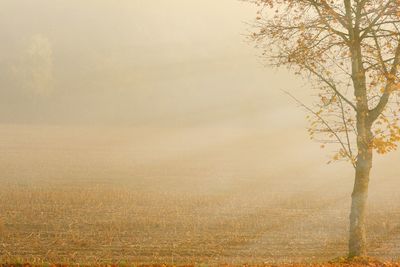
{"x": 350, "y": 52}
{"x": 34, "y": 71}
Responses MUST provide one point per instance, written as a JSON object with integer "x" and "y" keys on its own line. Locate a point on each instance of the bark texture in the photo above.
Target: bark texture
{"x": 357, "y": 239}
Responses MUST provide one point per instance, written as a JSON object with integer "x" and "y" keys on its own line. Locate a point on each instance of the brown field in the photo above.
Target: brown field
{"x": 73, "y": 196}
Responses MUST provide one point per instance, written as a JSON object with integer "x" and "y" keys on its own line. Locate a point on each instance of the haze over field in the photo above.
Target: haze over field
{"x": 159, "y": 96}
{"x": 174, "y": 63}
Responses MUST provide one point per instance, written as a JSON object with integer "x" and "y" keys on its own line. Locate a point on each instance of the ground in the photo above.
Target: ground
{"x": 101, "y": 224}
{"x": 74, "y": 197}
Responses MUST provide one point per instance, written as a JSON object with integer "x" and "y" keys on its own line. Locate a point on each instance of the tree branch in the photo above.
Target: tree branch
{"x": 332, "y": 86}
{"x": 326, "y": 124}
{"x": 374, "y": 113}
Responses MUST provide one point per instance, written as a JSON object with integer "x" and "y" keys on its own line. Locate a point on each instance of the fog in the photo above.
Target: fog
{"x": 166, "y": 66}
{"x": 182, "y": 71}
{"x": 163, "y": 63}
{"x": 160, "y": 96}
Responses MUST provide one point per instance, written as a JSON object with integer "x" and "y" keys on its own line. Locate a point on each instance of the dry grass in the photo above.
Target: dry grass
{"x": 110, "y": 224}
{"x": 94, "y": 197}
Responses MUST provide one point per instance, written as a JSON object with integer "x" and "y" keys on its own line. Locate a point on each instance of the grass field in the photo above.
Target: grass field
{"x": 69, "y": 197}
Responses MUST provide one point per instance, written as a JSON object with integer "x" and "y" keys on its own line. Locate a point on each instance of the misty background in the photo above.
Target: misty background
{"x": 164, "y": 90}
{"x": 169, "y": 63}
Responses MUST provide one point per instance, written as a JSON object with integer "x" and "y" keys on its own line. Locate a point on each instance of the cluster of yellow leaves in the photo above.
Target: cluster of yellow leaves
{"x": 386, "y": 135}
{"x": 383, "y": 146}
{"x": 342, "y": 155}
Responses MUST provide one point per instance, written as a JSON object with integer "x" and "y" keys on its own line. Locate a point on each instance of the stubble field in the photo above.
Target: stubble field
{"x": 70, "y": 199}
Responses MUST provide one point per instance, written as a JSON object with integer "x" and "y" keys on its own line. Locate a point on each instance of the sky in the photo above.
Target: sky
{"x": 159, "y": 63}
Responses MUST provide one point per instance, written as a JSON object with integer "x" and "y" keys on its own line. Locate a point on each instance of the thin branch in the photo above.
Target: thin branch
{"x": 325, "y": 123}
{"x": 375, "y": 20}
{"x": 332, "y": 86}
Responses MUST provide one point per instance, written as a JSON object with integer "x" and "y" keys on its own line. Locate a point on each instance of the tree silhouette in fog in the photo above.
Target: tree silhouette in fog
{"x": 349, "y": 50}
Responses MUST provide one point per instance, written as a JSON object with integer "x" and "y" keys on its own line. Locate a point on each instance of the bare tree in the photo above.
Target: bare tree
{"x": 350, "y": 51}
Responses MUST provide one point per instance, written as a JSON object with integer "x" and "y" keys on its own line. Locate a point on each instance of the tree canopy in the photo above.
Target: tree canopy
{"x": 350, "y": 51}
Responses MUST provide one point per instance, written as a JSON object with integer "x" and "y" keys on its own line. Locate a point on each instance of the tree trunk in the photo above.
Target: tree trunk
{"x": 357, "y": 241}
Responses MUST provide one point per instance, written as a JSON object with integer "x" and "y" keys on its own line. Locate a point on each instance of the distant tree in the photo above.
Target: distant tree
{"x": 350, "y": 52}
{"x": 34, "y": 71}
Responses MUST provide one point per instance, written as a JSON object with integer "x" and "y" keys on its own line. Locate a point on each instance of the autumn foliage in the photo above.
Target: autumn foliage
{"x": 311, "y": 38}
